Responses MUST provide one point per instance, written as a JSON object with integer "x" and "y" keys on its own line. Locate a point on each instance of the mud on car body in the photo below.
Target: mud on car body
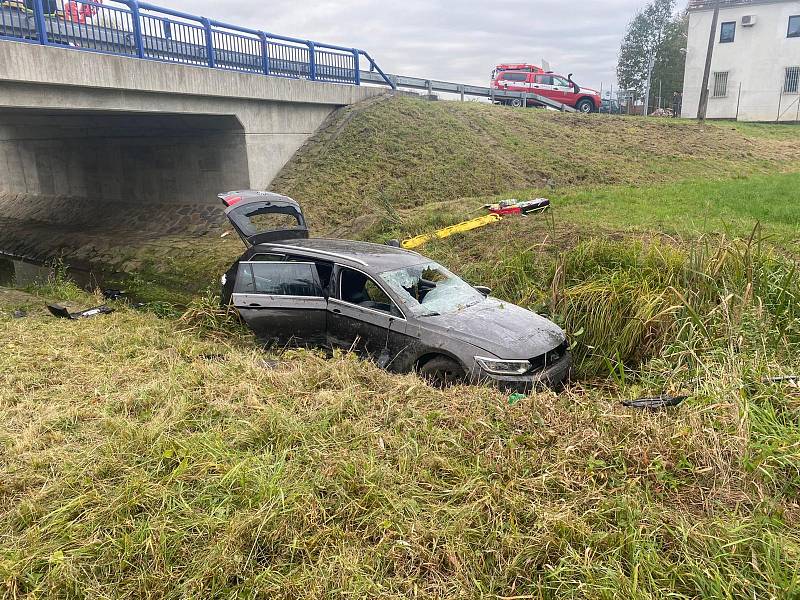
{"x": 397, "y": 306}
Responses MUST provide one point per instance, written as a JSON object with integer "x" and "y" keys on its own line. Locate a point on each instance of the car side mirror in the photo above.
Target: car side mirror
{"x": 486, "y": 291}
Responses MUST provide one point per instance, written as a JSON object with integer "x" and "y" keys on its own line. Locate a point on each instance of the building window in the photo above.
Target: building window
{"x": 728, "y": 33}
{"x": 794, "y": 27}
{"x": 721, "y": 84}
{"x": 791, "y": 84}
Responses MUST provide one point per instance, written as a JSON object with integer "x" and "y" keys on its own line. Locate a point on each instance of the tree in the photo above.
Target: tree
{"x": 645, "y": 44}
{"x": 670, "y": 61}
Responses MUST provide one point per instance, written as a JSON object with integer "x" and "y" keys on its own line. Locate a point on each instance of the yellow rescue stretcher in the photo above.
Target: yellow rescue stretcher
{"x": 420, "y": 240}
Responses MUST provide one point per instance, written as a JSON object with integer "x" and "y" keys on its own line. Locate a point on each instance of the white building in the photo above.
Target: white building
{"x": 755, "y": 72}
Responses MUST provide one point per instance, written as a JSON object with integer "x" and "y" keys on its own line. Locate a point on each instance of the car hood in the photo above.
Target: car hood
{"x": 500, "y": 328}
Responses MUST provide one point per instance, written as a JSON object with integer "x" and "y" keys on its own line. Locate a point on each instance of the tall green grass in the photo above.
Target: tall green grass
{"x": 625, "y": 302}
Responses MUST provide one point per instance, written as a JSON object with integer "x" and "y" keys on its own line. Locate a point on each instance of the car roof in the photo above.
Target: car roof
{"x": 378, "y": 257}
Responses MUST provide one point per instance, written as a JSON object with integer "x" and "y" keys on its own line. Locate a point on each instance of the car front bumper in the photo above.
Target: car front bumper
{"x": 553, "y": 377}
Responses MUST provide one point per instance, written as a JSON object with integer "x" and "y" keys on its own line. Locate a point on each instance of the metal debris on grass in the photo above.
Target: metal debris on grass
{"x": 663, "y": 401}
{"x": 792, "y": 380}
{"x": 112, "y": 294}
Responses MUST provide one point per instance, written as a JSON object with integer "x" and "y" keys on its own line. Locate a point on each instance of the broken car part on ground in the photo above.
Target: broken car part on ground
{"x": 440, "y": 234}
{"x": 496, "y": 213}
{"x": 664, "y": 401}
{"x": 515, "y": 207}
{"x": 380, "y": 301}
{"x": 62, "y": 312}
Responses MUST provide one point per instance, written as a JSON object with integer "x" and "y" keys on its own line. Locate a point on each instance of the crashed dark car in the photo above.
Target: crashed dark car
{"x": 400, "y": 308}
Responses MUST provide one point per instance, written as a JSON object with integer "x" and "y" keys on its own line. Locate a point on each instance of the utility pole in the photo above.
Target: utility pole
{"x": 702, "y": 109}
{"x": 650, "y": 67}
{"x": 659, "y": 94}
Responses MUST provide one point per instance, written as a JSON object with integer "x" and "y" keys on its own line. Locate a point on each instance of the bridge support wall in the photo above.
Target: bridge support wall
{"x": 82, "y": 133}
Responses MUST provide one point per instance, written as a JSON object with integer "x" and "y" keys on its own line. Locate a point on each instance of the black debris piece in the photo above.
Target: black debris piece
{"x": 663, "y": 401}
{"x": 533, "y": 206}
{"x": 112, "y": 294}
{"x": 62, "y": 312}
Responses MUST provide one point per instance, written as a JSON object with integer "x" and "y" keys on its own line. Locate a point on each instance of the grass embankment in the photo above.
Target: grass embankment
{"x": 392, "y": 157}
{"x": 141, "y": 459}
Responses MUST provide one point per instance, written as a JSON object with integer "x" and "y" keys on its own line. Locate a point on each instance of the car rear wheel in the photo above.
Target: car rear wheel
{"x": 516, "y": 102}
{"x": 442, "y": 372}
{"x": 585, "y": 106}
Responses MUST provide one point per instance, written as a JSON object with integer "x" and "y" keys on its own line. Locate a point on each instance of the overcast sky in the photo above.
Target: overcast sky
{"x": 452, "y": 40}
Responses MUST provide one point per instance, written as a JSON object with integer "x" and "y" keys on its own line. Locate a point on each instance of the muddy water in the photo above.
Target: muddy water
{"x": 23, "y": 273}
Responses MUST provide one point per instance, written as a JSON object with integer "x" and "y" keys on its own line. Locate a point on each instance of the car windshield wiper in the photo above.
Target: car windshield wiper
{"x": 431, "y": 314}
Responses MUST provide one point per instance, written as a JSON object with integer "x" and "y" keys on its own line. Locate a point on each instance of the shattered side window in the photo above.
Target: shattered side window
{"x": 356, "y": 288}
{"x": 430, "y": 289}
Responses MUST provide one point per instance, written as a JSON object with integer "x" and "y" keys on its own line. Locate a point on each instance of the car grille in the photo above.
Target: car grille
{"x": 540, "y": 363}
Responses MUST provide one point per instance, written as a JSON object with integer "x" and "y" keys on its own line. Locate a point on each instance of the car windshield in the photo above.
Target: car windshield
{"x": 430, "y": 289}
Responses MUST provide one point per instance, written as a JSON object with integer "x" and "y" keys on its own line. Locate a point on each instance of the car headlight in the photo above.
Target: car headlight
{"x": 497, "y": 366}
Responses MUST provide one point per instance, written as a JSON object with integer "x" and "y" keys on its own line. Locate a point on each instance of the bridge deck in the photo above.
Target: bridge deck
{"x": 165, "y": 39}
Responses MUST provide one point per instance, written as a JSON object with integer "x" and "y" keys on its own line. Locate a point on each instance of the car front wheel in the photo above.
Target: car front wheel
{"x": 585, "y": 106}
{"x": 442, "y": 372}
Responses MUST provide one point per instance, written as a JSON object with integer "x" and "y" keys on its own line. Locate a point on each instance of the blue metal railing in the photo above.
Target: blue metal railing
{"x": 146, "y": 31}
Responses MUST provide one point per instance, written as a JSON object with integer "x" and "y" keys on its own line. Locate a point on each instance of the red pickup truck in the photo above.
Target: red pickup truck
{"x": 533, "y": 79}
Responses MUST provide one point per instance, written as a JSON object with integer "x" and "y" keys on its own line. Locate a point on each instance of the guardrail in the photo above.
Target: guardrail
{"x": 432, "y": 85}
{"x": 146, "y": 31}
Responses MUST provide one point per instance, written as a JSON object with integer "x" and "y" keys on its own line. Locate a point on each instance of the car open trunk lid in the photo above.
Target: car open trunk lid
{"x": 264, "y": 217}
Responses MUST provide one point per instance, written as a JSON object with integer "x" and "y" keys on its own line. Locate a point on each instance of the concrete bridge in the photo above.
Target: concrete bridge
{"x": 88, "y": 137}
{"x": 85, "y": 124}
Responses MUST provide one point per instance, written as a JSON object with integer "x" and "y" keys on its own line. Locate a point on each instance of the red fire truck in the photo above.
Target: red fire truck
{"x": 522, "y": 77}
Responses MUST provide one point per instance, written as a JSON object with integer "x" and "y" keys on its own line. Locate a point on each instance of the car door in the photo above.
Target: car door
{"x": 282, "y": 302}
{"x": 363, "y": 317}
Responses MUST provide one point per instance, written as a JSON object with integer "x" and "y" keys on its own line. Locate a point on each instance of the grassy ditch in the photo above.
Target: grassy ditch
{"x": 146, "y": 457}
